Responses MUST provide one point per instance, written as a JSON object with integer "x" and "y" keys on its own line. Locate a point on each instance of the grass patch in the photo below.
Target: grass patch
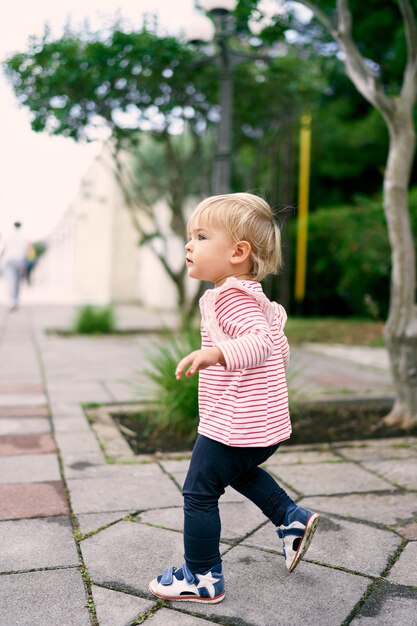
{"x": 91, "y": 320}
{"x": 353, "y": 332}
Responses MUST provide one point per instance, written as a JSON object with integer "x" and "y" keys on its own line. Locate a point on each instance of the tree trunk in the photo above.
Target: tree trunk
{"x": 397, "y": 111}
{"x": 401, "y": 326}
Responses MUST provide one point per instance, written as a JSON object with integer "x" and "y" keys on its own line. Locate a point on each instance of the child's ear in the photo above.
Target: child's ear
{"x": 242, "y": 252}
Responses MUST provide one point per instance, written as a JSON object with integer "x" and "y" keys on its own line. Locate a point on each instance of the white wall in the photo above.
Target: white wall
{"x": 93, "y": 253}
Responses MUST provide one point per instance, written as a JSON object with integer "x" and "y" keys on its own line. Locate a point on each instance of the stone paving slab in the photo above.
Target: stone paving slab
{"x": 24, "y": 425}
{"x": 349, "y": 545}
{"x": 115, "y": 470}
{"x": 70, "y": 388}
{"x": 286, "y": 455}
{"x": 45, "y": 598}
{"x": 69, "y": 423}
{"x": 389, "y": 605}
{"x": 90, "y": 522}
{"x": 404, "y": 473}
{"x": 28, "y": 500}
{"x": 75, "y": 464}
{"x": 29, "y": 468}
{"x": 26, "y": 444}
{"x": 385, "y": 508}
{"x": 311, "y": 595}
{"x": 409, "y": 531}
{"x": 29, "y": 389}
{"x": 99, "y": 495}
{"x": 118, "y": 609}
{"x": 61, "y": 410}
{"x": 166, "y": 617}
{"x": 82, "y": 441}
{"x": 24, "y": 411}
{"x": 370, "y": 452}
{"x": 37, "y": 543}
{"x": 329, "y": 478}
{"x": 120, "y": 556}
{"x": 176, "y": 466}
{"x": 353, "y": 546}
{"x": 404, "y": 571}
{"x": 22, "y": 399}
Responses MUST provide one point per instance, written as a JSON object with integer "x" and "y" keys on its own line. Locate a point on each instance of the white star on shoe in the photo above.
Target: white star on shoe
{"x": 207, "y": 581}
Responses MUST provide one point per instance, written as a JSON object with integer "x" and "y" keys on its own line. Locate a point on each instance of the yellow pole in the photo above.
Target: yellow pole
{"x": 302, "y": 223}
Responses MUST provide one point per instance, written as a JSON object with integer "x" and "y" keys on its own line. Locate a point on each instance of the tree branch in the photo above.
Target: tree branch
{"x": 356, "y": 68}
{"x": 321, "y": 17}
{"x": 409, "y": 86}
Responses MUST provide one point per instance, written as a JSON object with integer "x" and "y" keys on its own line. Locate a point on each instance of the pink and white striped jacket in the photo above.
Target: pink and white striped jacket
{"x": 245, "y": 402}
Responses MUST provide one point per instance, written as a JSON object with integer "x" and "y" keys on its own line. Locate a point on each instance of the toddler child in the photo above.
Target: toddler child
{"x": 243, "y": 399}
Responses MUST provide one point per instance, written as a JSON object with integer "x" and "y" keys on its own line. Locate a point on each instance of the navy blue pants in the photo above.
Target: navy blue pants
{"x": 213, "y": 467}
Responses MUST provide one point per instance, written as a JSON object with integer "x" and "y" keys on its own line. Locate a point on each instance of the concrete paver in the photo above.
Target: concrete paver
{"x": 404, "y": 571}
{"x": 29, "y": 468}
{"x": 25, "y": 500}
{"x": 57, "y": 491}
{"x": 92, "y": 522}
{"x": 97, "y": 495}
{"x": 44, "y": 599}
{"x": 77, "y": 441}
{"x": 327, "y": 478}
{"x": 163, "y": 617}
{"x": 24, "y": 425}
{"x": 312, "y": 593}
{"x": 37, "y": 543}
{"x": 26, "y": 444}
{"x": 386, "y": 508}
{"x": 118, "y": 609}
{"x": 388, "y": 605}
{"x": 349, "y": 545}
{"x": 24, "y": 411}
{"x": 403, "y": 473}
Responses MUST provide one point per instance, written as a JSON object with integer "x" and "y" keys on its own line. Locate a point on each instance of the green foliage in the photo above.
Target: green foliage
{"x": 92, "y": 320}
{"x": 349, "y": 260}
{"x": 121, "y": 81}
{"x": 176, "y": 401}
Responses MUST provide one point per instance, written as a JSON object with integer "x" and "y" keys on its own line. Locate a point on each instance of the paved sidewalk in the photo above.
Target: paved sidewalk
{"x": 81, "y": 538}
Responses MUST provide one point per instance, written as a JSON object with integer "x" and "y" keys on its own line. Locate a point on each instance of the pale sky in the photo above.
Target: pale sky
{"x": 40, "y": 174}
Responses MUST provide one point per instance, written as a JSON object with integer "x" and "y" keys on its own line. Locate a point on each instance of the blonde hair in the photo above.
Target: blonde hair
{"x": 245, "y": 217}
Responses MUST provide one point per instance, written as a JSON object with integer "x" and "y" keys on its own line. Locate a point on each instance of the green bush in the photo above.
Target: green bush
{"x": 92, "y": 320}
{"x": 176, "y": 401}
{"x": 349, "y": 260}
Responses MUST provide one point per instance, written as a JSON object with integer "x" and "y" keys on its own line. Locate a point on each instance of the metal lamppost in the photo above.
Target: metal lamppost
{"x": 219, "y": 30}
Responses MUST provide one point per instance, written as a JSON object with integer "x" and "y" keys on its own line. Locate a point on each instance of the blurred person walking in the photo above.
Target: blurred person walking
{"x": 14, "y": 259}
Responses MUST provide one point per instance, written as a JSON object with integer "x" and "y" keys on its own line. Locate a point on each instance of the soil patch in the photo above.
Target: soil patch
{"x": 135, "y": 429}
{"x": 313, "y": 423}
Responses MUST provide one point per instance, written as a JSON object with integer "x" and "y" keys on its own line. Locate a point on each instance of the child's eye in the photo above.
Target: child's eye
{"x": 201, "y": 237}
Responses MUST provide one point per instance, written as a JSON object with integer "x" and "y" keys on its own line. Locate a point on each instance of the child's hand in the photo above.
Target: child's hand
{"x": 198, "y": 360}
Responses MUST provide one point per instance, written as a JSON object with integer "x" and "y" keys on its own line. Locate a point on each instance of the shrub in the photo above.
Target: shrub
{"x": 349, "y": 259}
{"x": 175, "y": 401}
{"x": 94, "y": 320}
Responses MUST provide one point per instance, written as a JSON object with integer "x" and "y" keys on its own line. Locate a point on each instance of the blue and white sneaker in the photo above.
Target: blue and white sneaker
{"x": 297, "y": 532}
{"x": 179, "y": 584}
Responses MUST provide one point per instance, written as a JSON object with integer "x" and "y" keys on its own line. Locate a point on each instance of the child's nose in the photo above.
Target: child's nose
{"x": 188, "y": 246}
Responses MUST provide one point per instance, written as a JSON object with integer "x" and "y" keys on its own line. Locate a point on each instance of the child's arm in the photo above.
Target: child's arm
{"x": 251, "y": 340}
{"x": 199, "y": 360}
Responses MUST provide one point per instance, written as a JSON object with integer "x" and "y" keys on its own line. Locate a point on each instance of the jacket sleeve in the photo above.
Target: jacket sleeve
{"x": 251, "y": 340}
